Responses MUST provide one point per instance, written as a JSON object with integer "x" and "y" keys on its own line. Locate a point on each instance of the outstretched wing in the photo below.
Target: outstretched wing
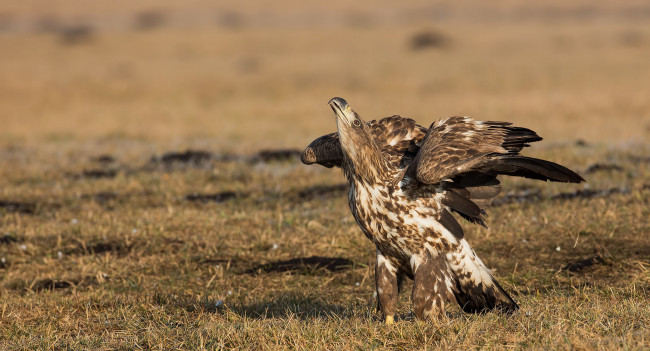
{"x": 464, "y": 157}
{"x": 398, "y": 138}
{"x": 325, "y": 150}
{"x": 461, "y": 145}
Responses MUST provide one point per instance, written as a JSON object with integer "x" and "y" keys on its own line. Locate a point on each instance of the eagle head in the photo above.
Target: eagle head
{"x": 362, "y": 158}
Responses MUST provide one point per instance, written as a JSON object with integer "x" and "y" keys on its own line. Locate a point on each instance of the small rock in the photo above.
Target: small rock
{"x": 313, "y": 224}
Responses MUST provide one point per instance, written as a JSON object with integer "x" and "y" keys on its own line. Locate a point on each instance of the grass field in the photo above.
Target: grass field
{"x": 112, "y": 236}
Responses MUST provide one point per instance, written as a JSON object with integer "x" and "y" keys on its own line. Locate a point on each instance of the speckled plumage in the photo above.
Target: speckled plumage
{"x": 405, "y": 182}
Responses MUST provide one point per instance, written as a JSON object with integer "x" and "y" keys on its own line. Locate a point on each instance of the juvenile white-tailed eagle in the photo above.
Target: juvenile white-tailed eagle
{"x": 405, "y": 182}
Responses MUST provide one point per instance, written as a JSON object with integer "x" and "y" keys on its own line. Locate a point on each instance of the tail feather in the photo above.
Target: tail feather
{"x": 480, "y": 188}
{"x": 476, "y": 289}
{"x": 534, "y": 168}
{"x": 463, "y": 205}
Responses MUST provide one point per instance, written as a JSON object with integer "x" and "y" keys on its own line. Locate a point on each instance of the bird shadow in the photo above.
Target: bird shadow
{"x": 291, "y": 305}
{"x": 283, "y": 305}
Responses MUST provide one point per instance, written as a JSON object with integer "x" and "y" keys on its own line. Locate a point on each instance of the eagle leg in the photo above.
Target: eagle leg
{"x": 387, "y": 287}
{"x": 430, "y": 288}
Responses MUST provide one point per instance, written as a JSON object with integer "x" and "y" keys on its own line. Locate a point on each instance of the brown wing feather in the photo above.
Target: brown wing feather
{"x": 460, "y": 145}
{"x": 466, "y": 156}
{"x": 457, "y": 145}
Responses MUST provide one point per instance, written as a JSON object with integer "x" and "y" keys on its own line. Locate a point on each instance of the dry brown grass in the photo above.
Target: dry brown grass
{"x": 113, "y": 255}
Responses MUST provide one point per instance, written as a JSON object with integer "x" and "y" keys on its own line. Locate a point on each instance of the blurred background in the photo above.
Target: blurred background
{"x": 145, "y": 201}
{"x": 240, "y": 76}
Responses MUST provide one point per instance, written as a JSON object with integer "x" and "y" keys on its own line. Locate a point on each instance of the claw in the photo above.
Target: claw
{"x": 389, "y": 320}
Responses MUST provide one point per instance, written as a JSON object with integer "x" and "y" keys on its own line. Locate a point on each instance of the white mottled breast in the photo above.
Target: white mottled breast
{"x": 400, "y": 225}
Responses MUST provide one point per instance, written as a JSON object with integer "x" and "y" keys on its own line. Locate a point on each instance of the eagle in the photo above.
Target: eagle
{"x": 406, "y": 182}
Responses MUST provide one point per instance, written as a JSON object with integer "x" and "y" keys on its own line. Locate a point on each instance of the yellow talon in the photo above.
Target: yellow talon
{"x": 389, "y": 320}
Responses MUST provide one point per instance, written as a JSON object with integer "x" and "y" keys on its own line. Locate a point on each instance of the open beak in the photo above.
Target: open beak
{"x": 342, "y": 110}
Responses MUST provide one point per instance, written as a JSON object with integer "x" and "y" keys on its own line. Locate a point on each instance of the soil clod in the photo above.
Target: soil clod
{"x": 194, "y": 157}
{"x": 104, "y": 159}
{"x": 99, "y": 173}
{"x": 305, "y": 265}
{"x": 582, "y": 264}
{"x": 323, "y": 191}
{"x": 603, "y": 167}
{"x": 588, "y": 193}
{"x": 428, "y": 40}
{"x": 17, "y": 207}
{"x": 8, "y": 239}
{"x": 217, "y": 197}
{"x": 277, "y": 155}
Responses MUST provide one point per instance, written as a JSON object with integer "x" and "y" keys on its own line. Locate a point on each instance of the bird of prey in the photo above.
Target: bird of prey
{"x": 405, "y": 181}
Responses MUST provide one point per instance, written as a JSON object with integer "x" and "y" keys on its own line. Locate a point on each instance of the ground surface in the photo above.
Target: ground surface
{"x": 114, "y": 236}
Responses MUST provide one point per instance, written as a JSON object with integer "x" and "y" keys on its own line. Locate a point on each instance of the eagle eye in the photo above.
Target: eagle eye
{"x": 356, "y": 123}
